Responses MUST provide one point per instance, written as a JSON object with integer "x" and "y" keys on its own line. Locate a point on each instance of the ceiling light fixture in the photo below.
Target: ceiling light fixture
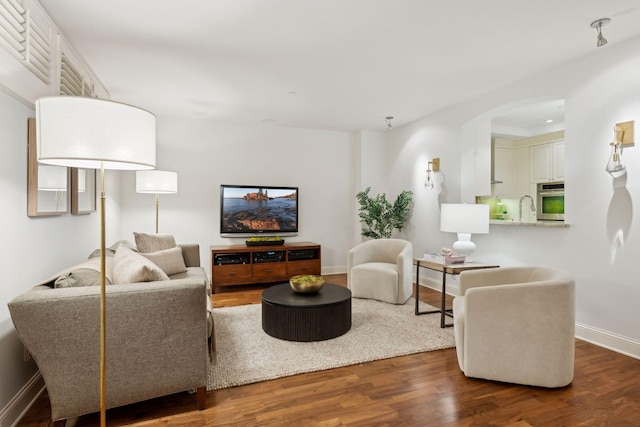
{"x": 388, "y": 119}
{"x": 598, "y": 24}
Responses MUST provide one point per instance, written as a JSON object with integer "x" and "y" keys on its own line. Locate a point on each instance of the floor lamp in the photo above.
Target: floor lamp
{"x": 92, "y": 133}
{"x": 156, "y": 182}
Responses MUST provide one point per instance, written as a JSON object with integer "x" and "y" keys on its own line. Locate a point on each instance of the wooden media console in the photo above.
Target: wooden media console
{"x": 233, "y": 265}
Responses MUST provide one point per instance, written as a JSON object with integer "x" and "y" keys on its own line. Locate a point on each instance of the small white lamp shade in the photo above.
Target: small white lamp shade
{"x": 52, "y": 178}
{"x": 92, "y": 133}
{"x": 464, "y": 219}
{"x": 157, "y": 182}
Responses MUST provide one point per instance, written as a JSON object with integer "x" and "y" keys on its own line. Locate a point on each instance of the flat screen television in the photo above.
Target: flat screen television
{"x": 247, "y": 210}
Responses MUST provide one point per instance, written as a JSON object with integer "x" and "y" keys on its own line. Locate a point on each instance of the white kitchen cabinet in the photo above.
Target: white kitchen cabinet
{"x": 558, "y": 161}
{"x": 521, "y": 176}
{"x": 503, "y": 172}
{"x": 547, "y": 162}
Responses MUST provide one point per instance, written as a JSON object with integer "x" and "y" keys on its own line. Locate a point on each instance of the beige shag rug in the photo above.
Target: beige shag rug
{"x": 246, "y": 354}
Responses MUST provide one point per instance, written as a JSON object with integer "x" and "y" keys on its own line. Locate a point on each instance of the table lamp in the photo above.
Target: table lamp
{"x": 464, "y": 219}
{"x": 156, "y": 182}
{"x": 93, "y": 133}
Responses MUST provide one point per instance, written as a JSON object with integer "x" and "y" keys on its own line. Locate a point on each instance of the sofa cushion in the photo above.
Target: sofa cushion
{"x": 131, "y": 267}
{"x": 170, "y": 260}
{"x": 111, "y": 250}
{"x": 147, "y": 243}
{"x": 86, "y": 273}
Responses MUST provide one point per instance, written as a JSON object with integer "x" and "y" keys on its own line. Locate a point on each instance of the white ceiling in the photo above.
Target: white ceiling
{"x": 326, "y": 64}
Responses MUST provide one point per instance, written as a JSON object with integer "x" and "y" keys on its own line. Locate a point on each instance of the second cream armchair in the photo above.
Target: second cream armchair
{"x": 381, "y": 269}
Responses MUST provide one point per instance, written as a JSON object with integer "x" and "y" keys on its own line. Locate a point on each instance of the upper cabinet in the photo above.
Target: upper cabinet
{"x": 547, "y": 162}
{"x": 37, "y": 59}
{"x": 502, "y": 184}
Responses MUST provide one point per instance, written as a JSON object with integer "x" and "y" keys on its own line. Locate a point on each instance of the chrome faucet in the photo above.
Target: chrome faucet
{"x": 531, "y": 205}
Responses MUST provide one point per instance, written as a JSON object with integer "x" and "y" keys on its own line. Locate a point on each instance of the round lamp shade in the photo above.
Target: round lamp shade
{"x": 155, "y": 181}
{"x": 92, "y": 133}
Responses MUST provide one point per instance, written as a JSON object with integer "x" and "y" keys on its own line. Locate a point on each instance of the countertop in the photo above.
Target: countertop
{"x": 529, "y": 224}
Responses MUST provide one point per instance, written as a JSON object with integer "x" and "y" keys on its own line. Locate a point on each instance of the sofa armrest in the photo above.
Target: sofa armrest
{"x": 156, "y": 341}
{"x": 191, "y": 254}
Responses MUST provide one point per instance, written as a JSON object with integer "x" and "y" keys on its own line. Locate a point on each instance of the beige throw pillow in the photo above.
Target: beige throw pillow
{"x": 147, "y": 243}
{"x": 131, "y": 267}
{"x": 170, "y": 261}
{"x": 84, "y": 274}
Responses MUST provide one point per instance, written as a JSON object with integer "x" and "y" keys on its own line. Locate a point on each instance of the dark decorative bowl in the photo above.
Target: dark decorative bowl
{"x": 306, "y": 284}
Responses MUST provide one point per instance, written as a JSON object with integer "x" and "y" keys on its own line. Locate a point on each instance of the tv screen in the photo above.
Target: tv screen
{"x": 248, "y": 209}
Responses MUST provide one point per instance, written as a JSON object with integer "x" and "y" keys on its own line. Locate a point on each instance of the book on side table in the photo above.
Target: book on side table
{"x": 444, "y": 259}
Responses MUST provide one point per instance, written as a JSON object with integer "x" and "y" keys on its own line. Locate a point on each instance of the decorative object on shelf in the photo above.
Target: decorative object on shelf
{"x": 156, "y": 182}
{"x": 95, "y": 134}
{"x": 598, "y": 24}
{"x": 623, "y": 137}
{"x": 379, "y": 217}
{"x": 265, "y": 241}
{"x": 306, "y": 284}
{"x": 464, "y": 219}
{"x": 432, "y": 166}
{"x": 388, "y": 120}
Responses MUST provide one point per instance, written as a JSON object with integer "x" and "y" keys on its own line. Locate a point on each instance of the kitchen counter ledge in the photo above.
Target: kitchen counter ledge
{"x": 560, "y": 224}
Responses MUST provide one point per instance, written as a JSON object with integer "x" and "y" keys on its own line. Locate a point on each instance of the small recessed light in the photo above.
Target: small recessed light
{"x": 548, "y": 121}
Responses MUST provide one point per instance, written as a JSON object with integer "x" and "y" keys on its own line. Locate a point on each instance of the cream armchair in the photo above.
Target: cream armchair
{"x": 516, "y": 325}
{"x": 381, "y": 269}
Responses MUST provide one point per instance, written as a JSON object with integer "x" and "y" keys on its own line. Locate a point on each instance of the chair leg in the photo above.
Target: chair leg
{"x": 58, "y": 423}
{"x": 201, "y": 396}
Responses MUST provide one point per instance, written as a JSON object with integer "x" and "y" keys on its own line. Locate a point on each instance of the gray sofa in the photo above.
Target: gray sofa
{"x": 158, "y": 339}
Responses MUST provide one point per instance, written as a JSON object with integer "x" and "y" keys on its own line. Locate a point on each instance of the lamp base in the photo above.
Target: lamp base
{"x": 465, "y": 246}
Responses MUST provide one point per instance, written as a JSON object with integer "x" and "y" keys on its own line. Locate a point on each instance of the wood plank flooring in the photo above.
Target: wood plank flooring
{"x": 425, "y": 389}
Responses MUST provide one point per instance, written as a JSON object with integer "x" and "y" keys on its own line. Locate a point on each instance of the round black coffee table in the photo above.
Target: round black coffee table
{"x": 318, "y": 316}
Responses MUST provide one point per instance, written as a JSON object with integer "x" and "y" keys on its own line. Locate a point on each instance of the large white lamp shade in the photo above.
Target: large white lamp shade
{"x": 93, "y": 133}
{"x": 465, "y": 220}
{"x": 156, "y": 182}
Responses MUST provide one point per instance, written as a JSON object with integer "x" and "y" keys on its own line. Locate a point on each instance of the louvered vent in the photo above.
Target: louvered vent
{"x": 70, "y": 78}
{"x": 12, "y": 27}
{"x": 39, "y": 45}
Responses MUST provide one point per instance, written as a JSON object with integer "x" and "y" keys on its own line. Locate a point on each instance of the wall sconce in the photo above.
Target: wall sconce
{"x": 432, "y": 166}
{"x": 623, "y": 137}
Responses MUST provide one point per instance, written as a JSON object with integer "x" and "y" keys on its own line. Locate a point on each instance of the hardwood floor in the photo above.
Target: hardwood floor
{"x": 425, "y": 389}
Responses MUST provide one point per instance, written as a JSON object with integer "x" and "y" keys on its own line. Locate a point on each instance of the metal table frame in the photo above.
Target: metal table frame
{"x": 453, "y": 269}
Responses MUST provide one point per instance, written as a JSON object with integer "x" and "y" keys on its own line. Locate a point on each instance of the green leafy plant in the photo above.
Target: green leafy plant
{"x": 379, "y": 217}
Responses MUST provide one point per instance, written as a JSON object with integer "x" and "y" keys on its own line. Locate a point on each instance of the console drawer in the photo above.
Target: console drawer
{"x": 269, "y": 269}
{"x": 303, "y": 267}
{"x": 222, "y": 273}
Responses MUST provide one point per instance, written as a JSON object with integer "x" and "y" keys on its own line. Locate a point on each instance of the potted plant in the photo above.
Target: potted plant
{"x": 379, "y": 217}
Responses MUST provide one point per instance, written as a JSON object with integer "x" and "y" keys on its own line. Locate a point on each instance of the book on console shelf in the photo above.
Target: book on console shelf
{"x": 444, "y": 259}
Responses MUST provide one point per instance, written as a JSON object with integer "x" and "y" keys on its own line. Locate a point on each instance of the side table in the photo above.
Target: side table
{"x": 452, "y": 269}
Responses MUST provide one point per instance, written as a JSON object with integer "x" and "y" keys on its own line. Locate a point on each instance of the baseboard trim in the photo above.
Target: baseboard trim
{"x": 11, "y": 414}
{"x": 608, "y": 340}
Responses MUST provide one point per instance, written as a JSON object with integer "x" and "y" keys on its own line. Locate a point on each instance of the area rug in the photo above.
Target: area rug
{"x": 246, "y": 354}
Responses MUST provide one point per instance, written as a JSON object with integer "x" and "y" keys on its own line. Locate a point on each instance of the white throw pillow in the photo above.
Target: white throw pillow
{"x": 170, "y": 261}
{"x": 131, "y": 267}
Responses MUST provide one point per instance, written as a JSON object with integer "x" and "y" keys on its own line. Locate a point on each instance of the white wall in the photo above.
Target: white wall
{"x": 600, "y": 90}
{"x": 206, "y": 154}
